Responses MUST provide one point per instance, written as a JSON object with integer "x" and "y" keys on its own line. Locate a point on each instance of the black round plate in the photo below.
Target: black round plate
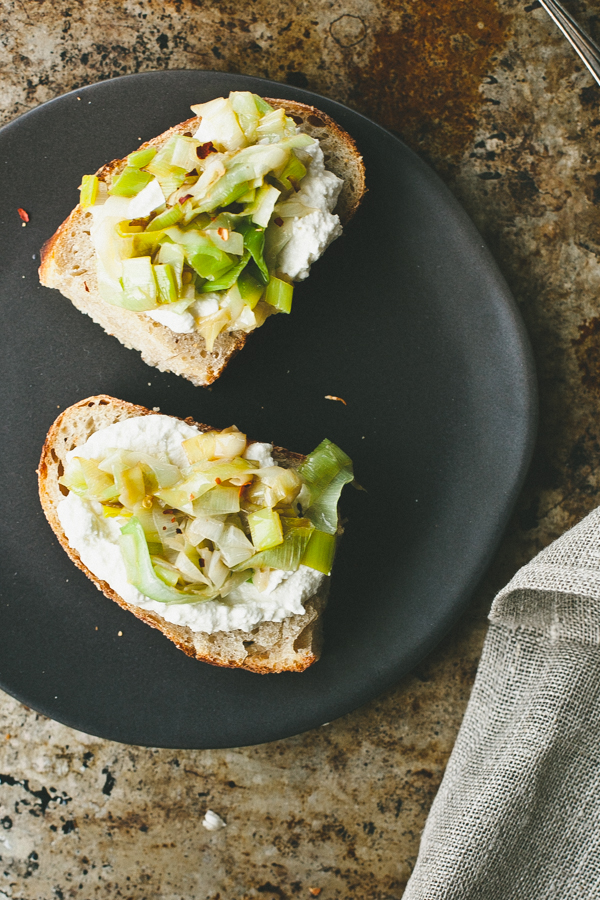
{"x": 406, "y": 318}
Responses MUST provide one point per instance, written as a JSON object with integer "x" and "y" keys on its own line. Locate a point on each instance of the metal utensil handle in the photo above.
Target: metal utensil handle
{"x": 583, "y": 45}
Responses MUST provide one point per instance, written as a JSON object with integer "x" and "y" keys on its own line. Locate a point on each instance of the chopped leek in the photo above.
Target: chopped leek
{"x": 73, "y": 478}
{"x": 288, "y": 554}
{"x": 250, "y": 289}
{"x": 141, "y": 158}
{"x": 227, "y": 278}
{"x": 214, "y": 444}
{"x": 166, "y": 283}
{"x": 265, "y": 527}
{"x": 187, "y": 533}
{"x": 261, "y": 209}
{"x": 247, "y": 112}
{"x": 292, "y": 174}
{"x": 132, "y": 486}
{"x": 320, "y": 552}
{"x": 254, "y": 240}
{"x": 279, "y": 294}
{"x": 167, "y": 218}
{"x": 219, "y": 501}
{"x": 324, "y": 473}
{"x": 141, "y": 574}
{"x": 139, "y": 284}
{"x": 88, "y": 191}
{"x": 130, "y": 182}
{"x": 262, "y": 105}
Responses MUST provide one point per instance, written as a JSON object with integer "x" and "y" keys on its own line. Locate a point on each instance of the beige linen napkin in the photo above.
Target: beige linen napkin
{"x": 517, "y": 816}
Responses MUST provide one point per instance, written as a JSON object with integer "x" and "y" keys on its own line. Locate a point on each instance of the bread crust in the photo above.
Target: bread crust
{"x": 289, "y": 646}
{"x": 68, "y": 259}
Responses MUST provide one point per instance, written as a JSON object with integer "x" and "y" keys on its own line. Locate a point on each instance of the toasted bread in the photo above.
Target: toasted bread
{"x": 68, "y": 259}
{"x": 288, "y": 646}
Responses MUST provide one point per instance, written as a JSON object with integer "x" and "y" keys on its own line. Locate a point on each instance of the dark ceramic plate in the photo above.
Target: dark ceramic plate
{"x": 406, "y": 317}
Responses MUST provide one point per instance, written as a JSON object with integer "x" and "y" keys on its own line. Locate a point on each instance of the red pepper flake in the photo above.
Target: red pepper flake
{"x": 86, "y": 287}
{"x": 339, "y": 399}
{"x": 24, "y": 215}
{"x": 279, "y": 221}
{"x": 223, "y": 233}
{"x": 315, "y": 891}
{"x": 184, "y": 198}
{"x": 218, "y": 481}
{"x": 204, "y": 149}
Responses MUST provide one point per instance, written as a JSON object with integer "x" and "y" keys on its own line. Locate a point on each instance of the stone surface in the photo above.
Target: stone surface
{"x": 491, "y": 95}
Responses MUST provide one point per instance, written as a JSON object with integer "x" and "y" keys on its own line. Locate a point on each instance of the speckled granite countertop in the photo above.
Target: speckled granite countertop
{"x": 489, "y": 93}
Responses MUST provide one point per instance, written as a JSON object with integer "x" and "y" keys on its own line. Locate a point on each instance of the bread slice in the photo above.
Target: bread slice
{"x": 68, "y": 258}
{"x": 288, "y": 646}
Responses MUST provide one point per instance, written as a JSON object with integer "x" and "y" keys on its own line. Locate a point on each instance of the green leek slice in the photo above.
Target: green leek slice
{"x": 292, "y": 174}
{"x": 130, "y": 182}
{"x": 141, "y": 158}
{"x": 166, "y": 283}
{"x": 138, "y": 284}
{"x": 261, "y": 209}
{"x": 262, "y": 105}
{"x": 221, "y": 500}
{"x": 324, "y": 473}
{"x": 227, "y": 278}
{"x": 287, "y": 555}
{"x": 88, "y": 191}
{"x": 279, "y": 294}
{"x": 247, "y": 112}
{"x": 265, "y": 527}
{"x": 141, "y": 574}
{"x": 172, "y": 255}
{"x": 73, "y": 478}
{"x": 250, "y": 289}
{"x": 183, "y": 153}
{"x": 254, "y": 240}
{"x": 320, "y": 552}
{"x": 169, "y": 217}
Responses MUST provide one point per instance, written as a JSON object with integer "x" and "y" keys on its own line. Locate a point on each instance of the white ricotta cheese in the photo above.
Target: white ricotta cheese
{"x": 96, "y": 538}
{"x": 181, "y": 323}
{"x": 312, "y": 234}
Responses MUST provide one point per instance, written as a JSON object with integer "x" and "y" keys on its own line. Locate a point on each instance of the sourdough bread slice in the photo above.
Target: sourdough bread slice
{"x": 68, "y": 259}
{"x": 288, "y": 646}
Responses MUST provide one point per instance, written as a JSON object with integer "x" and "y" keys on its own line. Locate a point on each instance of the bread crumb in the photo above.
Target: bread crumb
{"x": 213, "y": 822}
{"x": 339, "y": 399}
{"x": 315, "y": 891}
{"x": 120, "y": 633}
{"x": 156, "y": 409}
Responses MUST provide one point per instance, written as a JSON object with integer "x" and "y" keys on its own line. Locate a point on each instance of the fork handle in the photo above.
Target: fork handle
{"x": 581, "y": 42}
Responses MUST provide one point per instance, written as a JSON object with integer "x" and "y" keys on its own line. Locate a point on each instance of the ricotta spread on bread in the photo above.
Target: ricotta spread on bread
{"x": 96, "y": 539}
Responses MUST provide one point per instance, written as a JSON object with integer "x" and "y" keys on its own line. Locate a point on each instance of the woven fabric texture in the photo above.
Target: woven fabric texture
{"x": 517, "y": 816}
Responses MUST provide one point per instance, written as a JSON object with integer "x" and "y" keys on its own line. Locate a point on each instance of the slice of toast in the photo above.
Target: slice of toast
{"x": 288, "y": 646}
{"x": 68, "y": 260}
